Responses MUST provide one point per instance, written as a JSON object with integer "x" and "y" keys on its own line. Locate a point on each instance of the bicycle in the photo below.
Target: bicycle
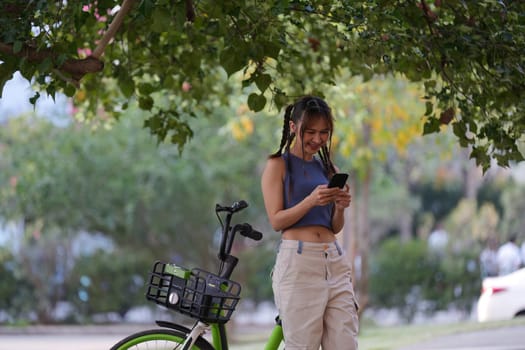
{"x": 207, "y": 297}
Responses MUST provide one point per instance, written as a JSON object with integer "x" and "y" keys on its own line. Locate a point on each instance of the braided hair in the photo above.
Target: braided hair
{"x": 306, "y": 109}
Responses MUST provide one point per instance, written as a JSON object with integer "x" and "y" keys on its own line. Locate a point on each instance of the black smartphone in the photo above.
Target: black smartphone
{"x": 338, "y": 180}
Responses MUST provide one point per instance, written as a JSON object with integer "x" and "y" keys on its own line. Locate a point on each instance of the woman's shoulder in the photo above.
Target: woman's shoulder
{"x": 274, "y": 169}
{"x": 275, "y": 162}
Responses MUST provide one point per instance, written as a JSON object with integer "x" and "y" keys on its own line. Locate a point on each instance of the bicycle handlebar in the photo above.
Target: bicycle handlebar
{"x": 228, "y": 233}
{"x": 235, "y": 207}
{"x": 247, "y": 231}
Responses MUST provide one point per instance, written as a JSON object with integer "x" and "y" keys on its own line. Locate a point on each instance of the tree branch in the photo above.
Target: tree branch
{"x": 190, "y": 11}
{"x": 77, "y": 68}
{"x": 113, "y": 28}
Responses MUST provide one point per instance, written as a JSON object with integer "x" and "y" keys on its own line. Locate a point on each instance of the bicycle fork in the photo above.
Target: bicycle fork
{"x": 195, "y": 333}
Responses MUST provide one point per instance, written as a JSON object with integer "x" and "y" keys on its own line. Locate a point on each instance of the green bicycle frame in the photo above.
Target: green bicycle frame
{"x": 273, "y": 342}
{"x": 216, "y": 336}
{"x": 275, "y": 339}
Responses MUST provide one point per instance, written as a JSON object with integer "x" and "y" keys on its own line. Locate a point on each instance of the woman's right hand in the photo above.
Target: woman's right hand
{"x": 322, "y": 195}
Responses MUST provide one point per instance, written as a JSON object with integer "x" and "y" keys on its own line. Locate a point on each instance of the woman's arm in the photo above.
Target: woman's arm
{"x": 272, "y": 190}
{"x": 338, "y": 219}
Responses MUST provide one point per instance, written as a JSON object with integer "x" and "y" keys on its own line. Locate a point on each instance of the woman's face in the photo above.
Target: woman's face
{"x": 315, "y": 135}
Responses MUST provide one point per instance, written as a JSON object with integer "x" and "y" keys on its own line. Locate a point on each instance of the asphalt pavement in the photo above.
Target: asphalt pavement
{"x": 510, "y": 337}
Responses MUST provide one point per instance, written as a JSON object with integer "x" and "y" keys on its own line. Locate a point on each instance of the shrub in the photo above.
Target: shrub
{"x": 407, "y": 277}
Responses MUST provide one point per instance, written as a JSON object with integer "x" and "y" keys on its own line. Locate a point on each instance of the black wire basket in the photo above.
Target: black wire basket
{"x": 197, "y": 293}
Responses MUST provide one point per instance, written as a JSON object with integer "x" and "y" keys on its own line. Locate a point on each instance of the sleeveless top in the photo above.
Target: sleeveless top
{"x": 300, "y": 179}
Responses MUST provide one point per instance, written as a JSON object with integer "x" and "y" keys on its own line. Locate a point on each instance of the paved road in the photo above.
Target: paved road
{"x": 58, "y": 342}
{"x": 74, "y": 342}
{"x": 508, "y": 338}
{"x": 75, "y": 337}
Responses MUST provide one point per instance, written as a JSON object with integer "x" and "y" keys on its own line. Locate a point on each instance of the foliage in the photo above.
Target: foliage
{"x": 491, "y": 192}
{"x": 466, "y": 55}
{"x": 399, "y": 273}
{"x": 514, "y": 207}
{"x": 410, "y": 278}
{"x": 145, "y": 197}
{"x": 117, "y": 177}
{"x": 390, "y": 202}
{"x": 470, "y": 224}
{"x": 109, "y": 282}
{"x": 377, "y": 120}
{"x": 16, "y": 293}
{"x": 438, "y": 198}
{"x": 255, "y": 271}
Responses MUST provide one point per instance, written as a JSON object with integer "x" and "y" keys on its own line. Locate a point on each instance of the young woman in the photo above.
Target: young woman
{"x": 311, "y": 278}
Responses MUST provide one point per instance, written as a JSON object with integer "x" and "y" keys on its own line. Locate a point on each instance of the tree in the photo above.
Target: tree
{"x": 119, "y": 183}
{"x": 377, "y": 123}
{"x": 109, "y": 55}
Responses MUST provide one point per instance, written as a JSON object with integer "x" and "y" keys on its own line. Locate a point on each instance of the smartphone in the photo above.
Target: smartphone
{"x": 338, "y": 180}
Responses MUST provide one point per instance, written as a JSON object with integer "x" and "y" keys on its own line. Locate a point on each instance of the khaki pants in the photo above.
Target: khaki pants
{"x": 314, "y": 295}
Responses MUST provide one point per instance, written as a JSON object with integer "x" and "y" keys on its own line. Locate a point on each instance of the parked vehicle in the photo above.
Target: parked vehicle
{"x": 502, "y": 297}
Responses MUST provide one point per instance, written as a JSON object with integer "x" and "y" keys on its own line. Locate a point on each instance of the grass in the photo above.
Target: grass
{"x": 388, "y": 338}
{"x": 391, "y": 338}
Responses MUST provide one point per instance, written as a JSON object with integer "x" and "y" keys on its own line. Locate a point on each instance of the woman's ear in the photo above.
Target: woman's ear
{"x": 293, "y": 127}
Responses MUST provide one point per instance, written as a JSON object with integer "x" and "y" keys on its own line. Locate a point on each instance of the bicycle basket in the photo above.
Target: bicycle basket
{"x": 196, "y": 293}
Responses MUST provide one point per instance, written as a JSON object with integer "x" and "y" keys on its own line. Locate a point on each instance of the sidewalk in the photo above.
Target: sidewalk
{"x": 74, "y": 329}
{"x": 240, "y": 332}
{"x": 102, "y": 337}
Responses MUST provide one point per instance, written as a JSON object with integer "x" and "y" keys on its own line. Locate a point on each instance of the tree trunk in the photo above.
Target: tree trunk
{"x": 364, "y": 240}
{"x": 363, "y": 227}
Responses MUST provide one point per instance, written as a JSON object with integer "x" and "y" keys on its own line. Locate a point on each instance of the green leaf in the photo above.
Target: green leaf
{"x": 69, "y": 90}
{"x": 6, "y": 73}
{"x": 256, "y": 102}
{"x": 280, "y": 99}
{"x": 263, "y": 81}
{"x": 429, "y": 108}
{"x": 232, "y": 60}
{"x": 161, "y": 20}
{"x": 479, "y": 153}
{"x": 431, "y": 126}
{"x": 146, "y": 102}
{"x": 146, "y": 88}
{"x": 460, "y": 130}
{"x": 126, "y": 83}
{"x": 45, "y": 65}
{"x": 35, "y": 98}
{"x": 17, "y": 47}
{"x": 271, "y": 49}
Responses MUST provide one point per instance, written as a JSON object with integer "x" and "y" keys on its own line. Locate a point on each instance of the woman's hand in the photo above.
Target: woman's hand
{"x": 322, "y": 195}
{"x": 343, "y": 198}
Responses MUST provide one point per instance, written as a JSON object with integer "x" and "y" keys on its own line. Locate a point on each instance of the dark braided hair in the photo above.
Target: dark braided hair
{"x": 306, "y": 109}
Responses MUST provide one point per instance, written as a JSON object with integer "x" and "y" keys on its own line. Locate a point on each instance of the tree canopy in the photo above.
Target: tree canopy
{"x": 175, "y": 57}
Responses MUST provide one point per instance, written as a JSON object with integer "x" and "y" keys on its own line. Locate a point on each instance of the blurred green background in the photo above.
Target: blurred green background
{"x": 87, "y": 206}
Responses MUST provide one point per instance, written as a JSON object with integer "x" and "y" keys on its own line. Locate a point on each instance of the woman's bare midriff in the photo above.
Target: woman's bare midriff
{"x": 317, "y": 234}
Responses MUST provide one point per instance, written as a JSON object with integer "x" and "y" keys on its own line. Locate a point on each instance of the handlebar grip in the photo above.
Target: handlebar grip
{"x": 240, "y": 205}
{"x": 247, "y": 231}
{"x": 235, "y": 207}
{"x": 255, "y": 235}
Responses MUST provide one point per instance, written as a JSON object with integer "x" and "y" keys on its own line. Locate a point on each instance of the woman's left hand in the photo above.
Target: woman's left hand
{"x": 343, "y": 198}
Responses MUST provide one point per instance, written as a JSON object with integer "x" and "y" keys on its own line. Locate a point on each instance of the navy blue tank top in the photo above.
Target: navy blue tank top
{"x": 300, "y": 179}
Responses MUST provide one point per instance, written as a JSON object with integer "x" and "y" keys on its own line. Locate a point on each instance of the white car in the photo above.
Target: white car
{"x": 502, "y": 297}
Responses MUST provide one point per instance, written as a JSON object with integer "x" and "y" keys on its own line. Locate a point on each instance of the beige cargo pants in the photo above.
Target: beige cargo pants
{"x": 314, "y": 295}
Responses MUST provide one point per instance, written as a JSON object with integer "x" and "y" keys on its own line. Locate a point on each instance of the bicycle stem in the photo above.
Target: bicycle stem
{"x": 224, "y": 238}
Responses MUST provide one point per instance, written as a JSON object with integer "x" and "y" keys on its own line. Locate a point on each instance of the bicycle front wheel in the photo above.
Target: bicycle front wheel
{"x": 159, "y": 339}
